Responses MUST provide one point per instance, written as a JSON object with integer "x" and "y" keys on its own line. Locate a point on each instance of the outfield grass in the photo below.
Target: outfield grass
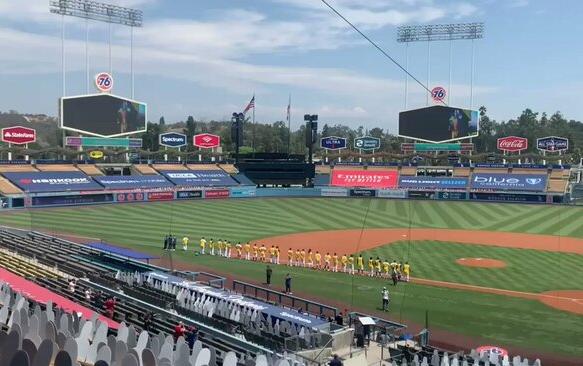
{"x": 503, "y": 320}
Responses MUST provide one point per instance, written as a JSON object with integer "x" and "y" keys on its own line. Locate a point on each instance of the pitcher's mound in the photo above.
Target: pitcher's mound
{"x": 571, "y": 301}
{"x": 481, "y": 262}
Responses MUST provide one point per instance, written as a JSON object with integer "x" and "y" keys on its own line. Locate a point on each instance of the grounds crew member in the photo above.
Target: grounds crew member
{"x": 185, "y": 243}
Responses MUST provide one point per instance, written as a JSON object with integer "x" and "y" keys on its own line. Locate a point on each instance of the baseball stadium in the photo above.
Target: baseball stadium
{"x": 455, "y": 241}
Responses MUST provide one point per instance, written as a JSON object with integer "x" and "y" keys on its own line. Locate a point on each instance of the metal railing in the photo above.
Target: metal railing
{"x": 294, "y": 302}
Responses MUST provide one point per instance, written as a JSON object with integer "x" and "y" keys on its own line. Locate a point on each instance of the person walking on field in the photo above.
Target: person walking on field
{"x": 268, "y": 272}
{"x": 288, "y": 281}
{"x": 385, "y": 297}
{"x": 185, "y": 243}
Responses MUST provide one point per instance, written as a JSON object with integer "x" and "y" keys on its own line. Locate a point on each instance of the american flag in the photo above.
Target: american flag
{"x": 251, "y": 105}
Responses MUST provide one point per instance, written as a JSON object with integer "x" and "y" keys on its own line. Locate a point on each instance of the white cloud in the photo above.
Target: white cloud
{"x": 517, "y": 3}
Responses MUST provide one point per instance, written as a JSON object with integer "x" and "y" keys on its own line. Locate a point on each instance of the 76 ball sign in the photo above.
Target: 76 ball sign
{"x": 104, "y": 82}
{"x": 438, "y": 94}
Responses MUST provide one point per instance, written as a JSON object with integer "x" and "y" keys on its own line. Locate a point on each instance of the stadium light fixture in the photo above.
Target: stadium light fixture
{"x": 102, "y": 12}
{"x": 440, "y": 32}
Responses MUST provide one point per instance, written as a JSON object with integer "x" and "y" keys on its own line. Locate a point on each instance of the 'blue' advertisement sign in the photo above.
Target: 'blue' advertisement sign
{"x": 333, "y": 143}
{"x": 134, "y": 182}
{"x": 433, "y": 183}
{"x": 199, "y": 178}
{"x": 173, "y": 139}
{"x": 53, "y": 181}
{"x": 509, "y": 182}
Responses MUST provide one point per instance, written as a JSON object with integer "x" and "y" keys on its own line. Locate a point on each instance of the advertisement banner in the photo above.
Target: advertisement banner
{"x": 243, "y": 192}
{"x": 199, "y": 178}
{"x": 71, "y": 200}
{"x": 433, "y": 183}
{"x": 367, "y": 143}
{"x": 53, "y": 181}
{"x": 18, "y": 135}
{"x": 512, "y": 144}
{"x": 363, "y": 193}
{"x": 77, "y": 141}
{"x": 333, "y": 143}
{"x": 333, "y": 192}
{"x": 552, "y": 144}
{"x": 129, "y": 197}
{"x": 206, "y": 141}
{"x": 133, "y": 182}
{"x": 391, "y": 193}
{"x": 217, "y": 193}
{"x": 509, "y": 197}
{"x": 509, "y": 182}
{"x": 452, "y": 195}
{"x": 188, "y": 195}
{"x": 160, "y": 196}
{"x": 172, "y": 139}
{"x": 363, "y": 178}
{"x": 426, "y": 195}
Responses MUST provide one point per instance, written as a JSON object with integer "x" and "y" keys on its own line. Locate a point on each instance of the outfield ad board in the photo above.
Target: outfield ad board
{"x": 217, "y": 193}
{"x": 552, "y": 144}
{"x": 160, "y": 196}
{"x": 333, "y": 192}
{"x": 509, "y": 197}
{"x": 391, "y": 193}
{"x": 363, "y": 178}
{"x": 432, "y": 183}
{"x": 130, "y": 197}
{"x": 189, "y": 195}
{"x": 333, "y": 143}
{"x": 243, "y": 192}
{"x": 133, "y": 182}
{"x": 509, "y": 182}
{"x": 199, "y": 178}
{"x": 358, "y": 192}
{"x": 77, "y": 199}
{"x": 172, "y": 139}
{"x": 34, "y": 182}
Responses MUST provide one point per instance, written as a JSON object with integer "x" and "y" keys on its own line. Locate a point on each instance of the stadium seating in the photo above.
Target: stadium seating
{"x": 557, "y": 185}
{"x": 323, "y": 169}
{"x": 382, "y": 168}
{"x": 145, "y": 169}
{"x": 528, "y": 171}
{"x": 202, "y": 167}
{"x": 491, "y": 170}
{"x": 90, "y": 169}
{"x": 409, "y": 170}
{"x": 461, "y": 172}
{"x": 17, "y": 168}
{"x": 229, "y": 168}
{"x": 57, "y": 168}
{"x": 159, "y": 167}
{"x": 348, "y": 167}
{"x": 6, "y": 187}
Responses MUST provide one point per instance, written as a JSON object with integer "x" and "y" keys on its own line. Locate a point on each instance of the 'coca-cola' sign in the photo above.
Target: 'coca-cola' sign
{"x": 512, "y": 143}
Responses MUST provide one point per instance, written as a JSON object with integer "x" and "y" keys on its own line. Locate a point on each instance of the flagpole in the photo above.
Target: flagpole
{"x": 288, "y": 126}
{"x": 254, "y": 127}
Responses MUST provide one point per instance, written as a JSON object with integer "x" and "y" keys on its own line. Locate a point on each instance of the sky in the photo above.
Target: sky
{"x": 206, "y": 58}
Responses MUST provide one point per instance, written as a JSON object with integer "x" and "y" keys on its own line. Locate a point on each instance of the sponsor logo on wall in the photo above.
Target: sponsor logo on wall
{"x": 363, "y": 178}
{"x": 516, "y": 182}
{"x": 512, "y": 143}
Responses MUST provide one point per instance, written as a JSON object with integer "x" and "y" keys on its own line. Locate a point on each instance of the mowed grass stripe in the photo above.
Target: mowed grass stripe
{"x": 516, "y": 221}
{"x": 560, "y": 221}
{"x": 536, "y": 220}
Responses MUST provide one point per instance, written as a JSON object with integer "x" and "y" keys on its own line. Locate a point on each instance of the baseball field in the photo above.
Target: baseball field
{"x": 487, "y": 273}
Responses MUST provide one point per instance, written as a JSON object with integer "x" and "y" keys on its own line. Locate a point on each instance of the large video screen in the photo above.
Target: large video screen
{"x": 103, "y": 115}
{"x": 439, "y": 124}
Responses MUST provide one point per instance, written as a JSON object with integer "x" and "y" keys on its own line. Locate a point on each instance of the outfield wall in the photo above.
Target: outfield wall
{"x": 73, "y": 198}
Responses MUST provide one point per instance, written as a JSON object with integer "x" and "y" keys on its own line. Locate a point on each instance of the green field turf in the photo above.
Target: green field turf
{"x": 503, "y": 320}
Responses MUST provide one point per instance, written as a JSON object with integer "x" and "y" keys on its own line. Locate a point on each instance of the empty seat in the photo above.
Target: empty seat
{"x": 90, "y": 169}
{"x": 8, "y": 188}
{"x": 145, "y": 169}
{"x": 57, "y": 168}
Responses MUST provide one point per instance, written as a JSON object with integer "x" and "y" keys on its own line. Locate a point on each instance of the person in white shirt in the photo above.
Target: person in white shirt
{"x": 385, "y": 296}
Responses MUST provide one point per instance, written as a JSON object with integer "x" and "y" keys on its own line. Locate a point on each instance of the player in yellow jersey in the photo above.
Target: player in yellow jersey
{"x": 247, "y": 251}
{"x": 255, "y": 252}
{"x": 318, "y": 257}
{"x": 290, "y": 257}
{"x": 221, "y": 247}
{"x": 406, "y": 271}
{"x": 371, "y": 267}
{"x": 386, "y": 269}
{"x": 327, "y": 259}
{"x": 212, "y": 246}
{"x": 298, "y": 258}
{"x": 272, "y": 254}
{"x": 310, "y": 258}
{"x": 351, "y": 264}
{"x": 303, "y": 257}
{"x": 378, "y": 267}
{"x": 228, "y": 246}
{"x": 185, "y": 243}
{"x": 276, "y": 254}
{"x": 360, "y": 264}
{"x": 239, "y": 249}
{"x": 344, "y": 261}
{"x": 202, "y": 245}
{"x": 335, "y": 262}
{"x": 263, "y": 252}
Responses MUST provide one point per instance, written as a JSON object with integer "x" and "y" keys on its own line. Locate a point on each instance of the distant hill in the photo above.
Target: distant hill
{"x": 45, "y": 126}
